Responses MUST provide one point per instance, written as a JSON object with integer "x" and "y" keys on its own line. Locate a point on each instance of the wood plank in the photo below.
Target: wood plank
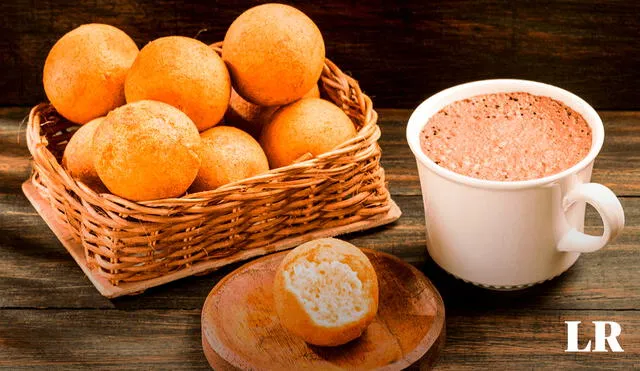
{"x": 523, "y": 339}
{"x": 616, "y": 166}
{"x": 36, "y": 271}
{"x": 589, "y": 47}
{"x": 170, "y": 339}
{"x": 15, "y": 164}
{"x": 101, "y": 340}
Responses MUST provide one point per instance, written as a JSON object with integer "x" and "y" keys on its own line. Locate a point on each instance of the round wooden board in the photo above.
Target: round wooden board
{"x": 240, "y": 329}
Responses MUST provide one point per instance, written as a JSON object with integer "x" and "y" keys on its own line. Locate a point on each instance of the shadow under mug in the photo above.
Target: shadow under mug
{"x": 511, "y": 235}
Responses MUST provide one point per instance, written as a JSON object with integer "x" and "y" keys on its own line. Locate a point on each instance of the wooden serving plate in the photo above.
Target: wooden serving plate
{"x": 240, "y": 329}
{"x": 107, "y": 289}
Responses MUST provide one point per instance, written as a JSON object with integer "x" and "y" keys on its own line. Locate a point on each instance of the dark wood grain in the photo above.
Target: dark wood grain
{"x": 51, "y": 317}
{"x": 520, "y": 339}
{"x": 617, "y": 166}
{"x": 36, "y": 271}
{"x": 101, "y": 339}
{"x": 14, "y": 155}
{"x": 170, "y": 340}
{"x": 401, "y": 52}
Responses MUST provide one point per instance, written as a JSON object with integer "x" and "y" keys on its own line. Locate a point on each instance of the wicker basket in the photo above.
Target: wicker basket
{"x": 128, "y": 241}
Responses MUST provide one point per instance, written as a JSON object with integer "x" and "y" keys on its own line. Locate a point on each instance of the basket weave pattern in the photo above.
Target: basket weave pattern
{"x": 129, "y": 241}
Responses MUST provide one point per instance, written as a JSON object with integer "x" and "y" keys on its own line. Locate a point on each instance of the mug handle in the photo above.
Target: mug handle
{"x": 610, "y": 210}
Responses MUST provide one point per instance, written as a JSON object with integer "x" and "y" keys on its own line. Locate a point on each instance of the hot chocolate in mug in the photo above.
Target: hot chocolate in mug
{"x": 510, "y": 235}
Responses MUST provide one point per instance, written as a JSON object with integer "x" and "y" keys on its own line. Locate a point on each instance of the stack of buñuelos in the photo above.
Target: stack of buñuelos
{"x": 164, "y": 213}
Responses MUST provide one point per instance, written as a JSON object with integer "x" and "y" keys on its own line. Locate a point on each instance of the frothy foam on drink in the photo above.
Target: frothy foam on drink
{"x": 506, "y": 137}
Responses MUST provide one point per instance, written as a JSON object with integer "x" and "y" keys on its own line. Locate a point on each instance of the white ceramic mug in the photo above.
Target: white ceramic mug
{"x": 510, "y": 235}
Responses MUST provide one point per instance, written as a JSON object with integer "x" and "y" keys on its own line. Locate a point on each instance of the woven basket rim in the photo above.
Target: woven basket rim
{"x": 331, "y": 72}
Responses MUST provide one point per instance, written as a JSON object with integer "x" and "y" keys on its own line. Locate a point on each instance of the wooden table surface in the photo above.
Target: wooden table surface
{"x": 51, "y": 316}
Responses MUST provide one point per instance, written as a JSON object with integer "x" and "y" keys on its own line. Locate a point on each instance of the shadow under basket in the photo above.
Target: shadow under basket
{"x": 125, "y": 247}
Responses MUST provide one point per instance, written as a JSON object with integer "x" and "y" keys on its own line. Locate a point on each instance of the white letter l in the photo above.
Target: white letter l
{"x": 572, "y": 338}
